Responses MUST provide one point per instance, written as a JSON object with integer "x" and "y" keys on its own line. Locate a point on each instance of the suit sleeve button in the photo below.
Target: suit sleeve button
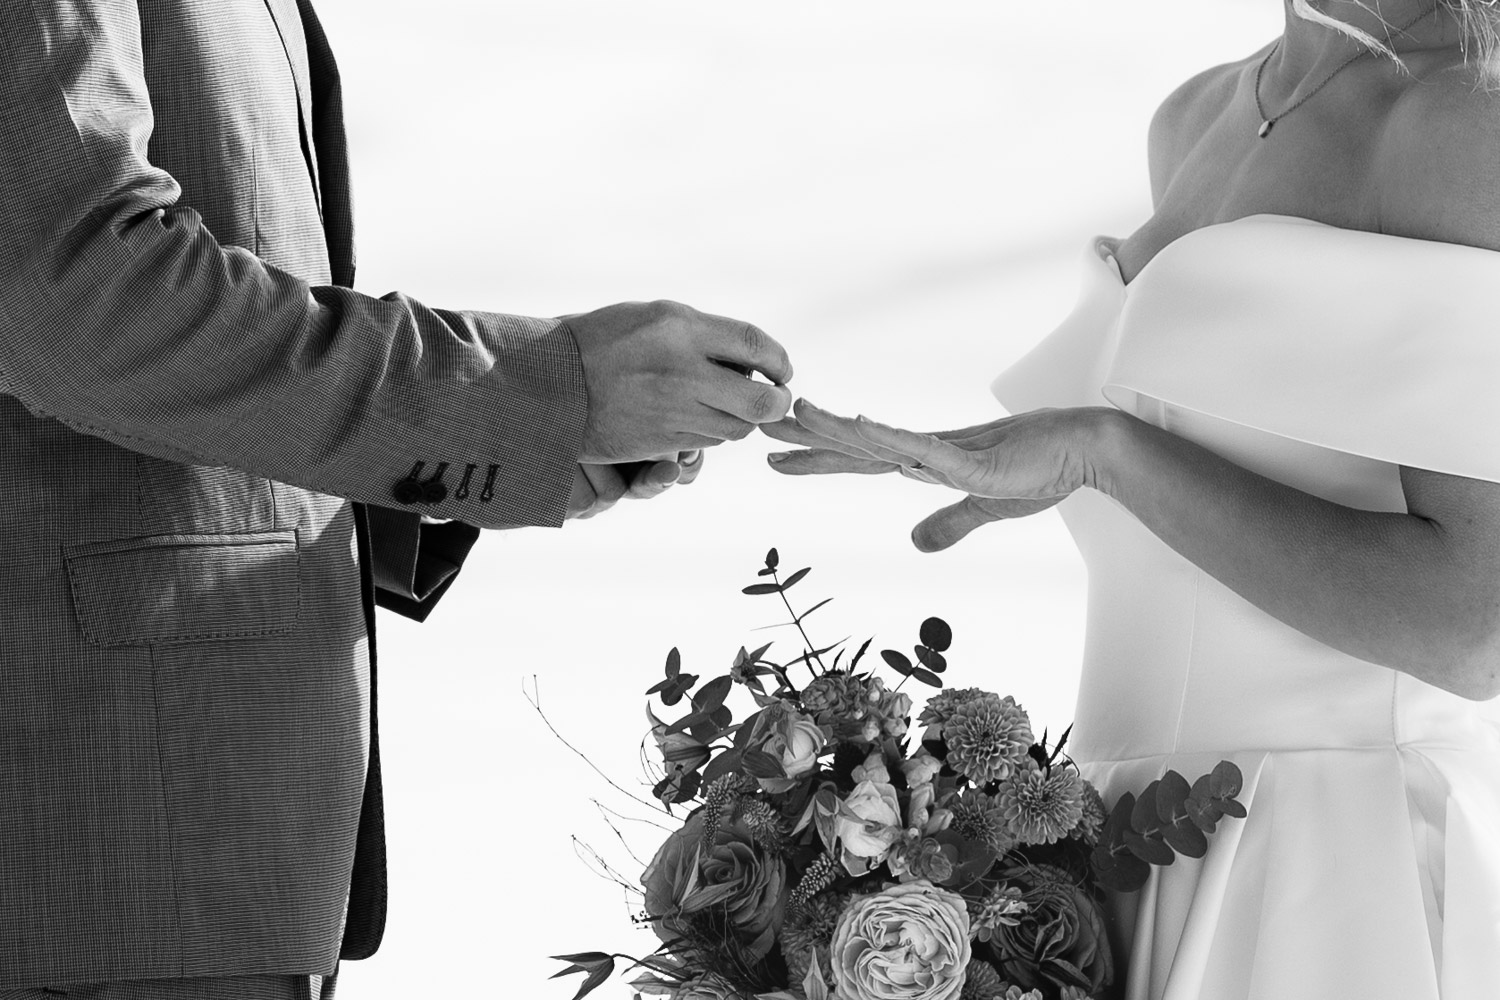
{"x": 434, "y": 492}
{"x": 409, "y": 491}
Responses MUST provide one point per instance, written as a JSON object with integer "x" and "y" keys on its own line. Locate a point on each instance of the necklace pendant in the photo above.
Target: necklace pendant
{"x": 1265, "y": 128}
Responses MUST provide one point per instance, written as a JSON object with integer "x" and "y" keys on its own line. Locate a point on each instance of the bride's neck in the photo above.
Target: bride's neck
{"x": 1308, "y": 47}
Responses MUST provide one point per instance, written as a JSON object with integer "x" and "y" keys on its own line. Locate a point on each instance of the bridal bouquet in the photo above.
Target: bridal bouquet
{"x": 833, "y": 851}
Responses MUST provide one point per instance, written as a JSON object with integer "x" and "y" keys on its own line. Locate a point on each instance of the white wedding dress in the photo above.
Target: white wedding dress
{"x": 1369, "y": 865}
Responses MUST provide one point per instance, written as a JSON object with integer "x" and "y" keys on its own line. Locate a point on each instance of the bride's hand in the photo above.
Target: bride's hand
{"x": 1009, "y": 468}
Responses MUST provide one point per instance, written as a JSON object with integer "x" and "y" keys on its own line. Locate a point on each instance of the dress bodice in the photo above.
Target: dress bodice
{"x": 1320, "y": 357}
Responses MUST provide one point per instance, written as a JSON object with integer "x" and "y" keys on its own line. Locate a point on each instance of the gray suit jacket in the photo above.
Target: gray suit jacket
{"x": 189, "y": 401}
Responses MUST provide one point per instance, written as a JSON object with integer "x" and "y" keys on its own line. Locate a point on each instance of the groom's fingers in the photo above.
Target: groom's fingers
{"x": 653, "y": 479}
{"x": 745, "y": 399}
{"x": 746, "y": 346}
{"x": 950, "y": 525}
{"x": 689, "y": 463}
{"x": 608, "y": 487}
{"x": 823, "y": 461}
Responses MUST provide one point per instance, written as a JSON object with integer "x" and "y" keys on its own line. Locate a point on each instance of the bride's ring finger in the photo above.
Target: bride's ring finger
{"x": 844, "y": 434}
{"x": 792, "y": 431}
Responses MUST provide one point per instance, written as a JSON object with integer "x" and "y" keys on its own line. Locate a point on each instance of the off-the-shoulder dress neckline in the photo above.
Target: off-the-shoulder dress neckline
{"x": 1107, "y": 246}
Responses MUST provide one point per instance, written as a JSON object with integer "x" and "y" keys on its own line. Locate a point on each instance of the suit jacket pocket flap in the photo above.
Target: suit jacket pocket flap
{"x": 180, "y": 588}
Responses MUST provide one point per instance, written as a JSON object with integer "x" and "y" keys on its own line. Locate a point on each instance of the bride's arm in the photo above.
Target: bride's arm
{"x": 1418, "y": 592}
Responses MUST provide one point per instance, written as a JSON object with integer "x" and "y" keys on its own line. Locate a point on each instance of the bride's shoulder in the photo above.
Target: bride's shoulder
{"x": 1187, "y": 114}
{"x": 1437, "y": 162}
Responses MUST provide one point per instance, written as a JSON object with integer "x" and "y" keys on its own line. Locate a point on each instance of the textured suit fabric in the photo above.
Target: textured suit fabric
{"x": 190, "y": 399}
{"x": 216, "y": 988}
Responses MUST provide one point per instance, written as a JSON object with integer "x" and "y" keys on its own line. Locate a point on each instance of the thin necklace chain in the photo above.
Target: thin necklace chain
{"x": 1268, "y": 121}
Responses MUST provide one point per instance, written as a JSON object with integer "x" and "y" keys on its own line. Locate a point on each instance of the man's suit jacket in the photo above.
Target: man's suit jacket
{"x": 190, "y": 397}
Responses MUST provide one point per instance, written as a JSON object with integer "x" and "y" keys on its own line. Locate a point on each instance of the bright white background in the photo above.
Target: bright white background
{"x": 899, "y": 193}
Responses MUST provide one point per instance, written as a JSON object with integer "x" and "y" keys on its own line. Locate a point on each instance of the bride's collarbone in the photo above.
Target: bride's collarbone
{"x": 1360, "y": 158}
{"x": 1323, "y": 177}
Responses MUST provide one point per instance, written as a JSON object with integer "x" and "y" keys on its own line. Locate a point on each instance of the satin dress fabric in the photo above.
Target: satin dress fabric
{"x": 1323, "y": 358}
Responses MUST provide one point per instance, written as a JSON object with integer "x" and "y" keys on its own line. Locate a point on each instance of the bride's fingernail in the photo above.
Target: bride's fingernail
{"x": 777, "y": 457}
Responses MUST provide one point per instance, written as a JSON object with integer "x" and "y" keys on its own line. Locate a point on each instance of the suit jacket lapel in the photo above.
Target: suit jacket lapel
{"x": 289, "y": 26}
{"x": 327, "y": 123}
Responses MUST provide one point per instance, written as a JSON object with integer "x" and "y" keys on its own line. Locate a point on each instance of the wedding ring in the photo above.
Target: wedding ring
{"x": 916, "y": 467}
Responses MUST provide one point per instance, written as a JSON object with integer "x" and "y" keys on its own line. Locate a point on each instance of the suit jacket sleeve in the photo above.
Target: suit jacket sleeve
{"x": 124, "y": 318}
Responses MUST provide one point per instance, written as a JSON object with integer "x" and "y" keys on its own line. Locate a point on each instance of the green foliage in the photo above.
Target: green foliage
{"x": 598, "y": 965}
{"x": 1169, "y": 818}
{"x": 936, "y": 636}
{"x": 693, "y": 745}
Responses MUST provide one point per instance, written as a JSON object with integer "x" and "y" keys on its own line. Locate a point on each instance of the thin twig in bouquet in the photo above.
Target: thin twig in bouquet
{"x": 536, "y": 704}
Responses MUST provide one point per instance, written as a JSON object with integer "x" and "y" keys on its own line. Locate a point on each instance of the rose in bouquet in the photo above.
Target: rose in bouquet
{"x": 828, "y": 854}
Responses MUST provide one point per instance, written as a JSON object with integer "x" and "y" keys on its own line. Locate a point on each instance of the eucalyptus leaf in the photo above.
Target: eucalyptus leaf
{"x": 691, "y": 719}
{"x": 721, "y": 765}
{"x": 1143, "y": 817}
{"x": 795, "y": 578}
{"x": 1232, "y": 807}
{"x": 681, "y": 685}
{"x": 773, "y": 559}
{"x": 897, "y": 662}
{"x": 746, "y": 730}
{"x": 712, "y": 694}
{"x": 1119, "y": 819}
{"x": 760, "y": 589}
{"x": 1226, "y": 781}
{"x": 1149, "y": 849}
{"x": 931, "y": 659}
{"x": 1172, "y": 793}
{"x": 1186, "y": 839}
{"x": 937, "y": 634}
{"x": 1204, "y": 813}
{"x": 927, "y": 677}
{"x": 1119, "y": 872}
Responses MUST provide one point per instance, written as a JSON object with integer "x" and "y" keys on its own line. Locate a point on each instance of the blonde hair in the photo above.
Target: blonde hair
{"x": 1479, "y": 19}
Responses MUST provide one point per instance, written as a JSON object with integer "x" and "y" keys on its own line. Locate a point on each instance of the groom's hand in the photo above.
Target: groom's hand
{"x": 663, "y": 378}
{"x": 597, "y": 488}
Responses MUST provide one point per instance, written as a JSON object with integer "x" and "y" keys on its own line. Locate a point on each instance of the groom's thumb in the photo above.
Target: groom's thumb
{"x": 949, "y": 526}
